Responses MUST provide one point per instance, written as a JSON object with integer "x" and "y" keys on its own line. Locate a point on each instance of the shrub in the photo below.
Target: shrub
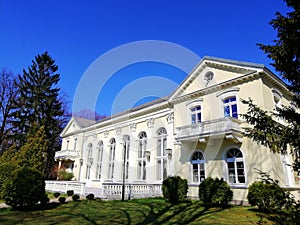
{"x": 70, "y": 192}
{"x": 268, "y": 197}
{"x": 45, "y": 200}
{"x": 6, "y": 170}
{"x": 62, "y": 199}
{"x": 215, "y": 192}
{"x": 25, "y": 188}
{"x": 64, "y": 175}
{"x": 75, "y": 197}
{"x": 90, "y": 197}
{"x": 175, "y": 189}
{"x": 56, "y": 194}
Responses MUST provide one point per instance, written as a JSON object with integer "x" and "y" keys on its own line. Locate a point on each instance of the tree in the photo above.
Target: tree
{"x": 285, "y": 54}
{"x": 38, "y": 104}
{"x": 89, "y": 114}
{"x": 8, "y": 92}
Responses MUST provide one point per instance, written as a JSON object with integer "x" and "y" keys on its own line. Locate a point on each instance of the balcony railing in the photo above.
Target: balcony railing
{"x": 65, "y": 154}
{"x": 223, "y": 126}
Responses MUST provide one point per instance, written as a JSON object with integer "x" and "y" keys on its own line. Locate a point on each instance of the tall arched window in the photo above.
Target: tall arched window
{"x": 198, "y": 168}
{"x": 235, "y": 165}
{"x": 99, "y": 160}
{"x": 161, "y": 158}
{"x": 141, "y": 162}
{"x": 111, "y": 160}
{"x": 89, "y": 161}
{"x": 126, "y": 148}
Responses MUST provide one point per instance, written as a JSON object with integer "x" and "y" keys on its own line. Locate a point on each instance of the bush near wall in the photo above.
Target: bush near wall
{"x": 175, "y": 189}
{"x": 268, "y": 197}
{"x": 215, "y": 192}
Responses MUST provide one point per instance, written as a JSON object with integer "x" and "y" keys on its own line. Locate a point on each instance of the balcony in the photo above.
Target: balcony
{"x": 65, "y": 154}
{"x": 223, "y": 127}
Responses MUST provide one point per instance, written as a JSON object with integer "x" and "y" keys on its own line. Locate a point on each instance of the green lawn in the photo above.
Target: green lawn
{"x": 143, "y": 211}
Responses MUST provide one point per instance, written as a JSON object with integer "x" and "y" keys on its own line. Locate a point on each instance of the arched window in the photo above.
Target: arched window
{"x": 111, "y": 160}
{"x": 99, "y": 160}
{"x": 89, "y": 161}
{"x": 126, "y": 148}
{"x": 235, "y": 165}
{"x": 198, "y": 168}
{"x": 161, "y": 158}
{"x": 141, "y": 173}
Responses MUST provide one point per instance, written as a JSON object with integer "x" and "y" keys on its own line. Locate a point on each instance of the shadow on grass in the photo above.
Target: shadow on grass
{"x": 279, "y": 218}
{"x": 182, "y": 213}
{"x": 38, "y": 207}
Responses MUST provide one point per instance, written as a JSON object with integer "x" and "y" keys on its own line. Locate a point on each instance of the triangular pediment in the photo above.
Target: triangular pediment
{"x": 75, "y": 125}
{"x": 211, "y": 72}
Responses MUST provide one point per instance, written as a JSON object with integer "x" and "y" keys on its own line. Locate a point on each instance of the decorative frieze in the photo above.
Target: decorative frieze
{"x": 132, "y": 127}
{"x": 150, "y": 123}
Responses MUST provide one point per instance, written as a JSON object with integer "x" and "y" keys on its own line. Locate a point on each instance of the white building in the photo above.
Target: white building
{"x": 195, "y": 132}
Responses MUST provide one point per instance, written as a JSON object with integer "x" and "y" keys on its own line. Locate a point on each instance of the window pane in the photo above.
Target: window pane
{"x": 193, "y": 118}
{"x": 234, "y": 111}
{"x": 226, "y": 111}
{"x": 199, "y": 117}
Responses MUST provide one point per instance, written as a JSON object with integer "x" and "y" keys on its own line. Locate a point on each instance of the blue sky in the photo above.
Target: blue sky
{"x": 76, "y": 33}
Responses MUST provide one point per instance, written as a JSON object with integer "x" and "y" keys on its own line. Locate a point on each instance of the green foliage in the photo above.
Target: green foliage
{"x": 90, "y": 197}
{"x": 62, "y": 199}
{"x": 75, "y": 197}
{"x": 266, "y": 196}
{"x": 286, "y": 60}
{"x": 70, "y": 192}
{"x": 175, "y": 189}
{"x": 64, "y": 175}
{"x": 39, "y": 105}
{"x": 215, "y": 192}
{"x": 25, "y": 188}
{"x": 6, "y": 169}
{"x": 56, "y": 194}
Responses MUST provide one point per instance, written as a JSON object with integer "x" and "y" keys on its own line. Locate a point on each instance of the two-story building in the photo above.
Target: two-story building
{"x": 195, "y": 132}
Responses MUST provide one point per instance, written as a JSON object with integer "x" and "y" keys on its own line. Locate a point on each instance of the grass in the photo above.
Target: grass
{"x": 142, "y": 211}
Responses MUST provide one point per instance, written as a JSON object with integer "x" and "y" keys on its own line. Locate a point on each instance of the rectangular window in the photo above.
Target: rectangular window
{"x": 230, "y": 107}
{"x": 196, "y": 114}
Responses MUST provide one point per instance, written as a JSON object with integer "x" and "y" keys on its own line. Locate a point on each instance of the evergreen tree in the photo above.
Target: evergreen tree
{"x": 38, "y": 104}
{"x": 285, "y": 54}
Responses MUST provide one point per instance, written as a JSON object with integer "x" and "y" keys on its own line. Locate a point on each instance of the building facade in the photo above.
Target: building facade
{"x": 195, "y": 132}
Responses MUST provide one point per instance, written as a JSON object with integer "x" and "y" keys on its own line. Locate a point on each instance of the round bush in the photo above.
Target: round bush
{"x": 175, "y": 189}
{"x": 25, "y": 188}
{"x": 75, "y": 197}
{"x": 70, "y": 192}
{"x": 90, "y": 197}
{"x": 62, "y": 199}
{"x": 56, "y": 194}
{"x": 215, "y": 192}
{"x": 267, "y": 197}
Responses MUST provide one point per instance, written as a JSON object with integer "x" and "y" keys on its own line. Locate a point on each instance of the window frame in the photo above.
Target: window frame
{"x": 161, "y": 157}
{"x": 235, "y": 160}
{"x": 141, "y": 156}
{"x": 99, "y": 160}
{"x": 199, "y": 163}
{"x": 111, "y": 159}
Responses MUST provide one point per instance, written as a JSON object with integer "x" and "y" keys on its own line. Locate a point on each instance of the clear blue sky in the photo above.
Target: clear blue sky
{"x": 77, "y": 32}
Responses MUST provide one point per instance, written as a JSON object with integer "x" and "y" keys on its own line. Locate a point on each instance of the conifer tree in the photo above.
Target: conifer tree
{"x": 38, "y": 104}
{"x": 285, "y": 54}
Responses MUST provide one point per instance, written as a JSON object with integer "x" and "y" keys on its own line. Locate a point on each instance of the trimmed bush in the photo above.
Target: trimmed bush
{"x": 90, "y": 197}
{"x": 56, "y": 194}
{"x": 70, "y": 192}
{"x": 25, "y": 188}
{"x": 75, "y": 197}
{"x": 62, "y": 199}
{"x": 6, "y": 170}
{"x": 268, "y": 197}
{"x": 215, "y": 192}
{"x": 64, "y": 175}
{"x": 175, "y": 189}
{"x": 45, "y": 200}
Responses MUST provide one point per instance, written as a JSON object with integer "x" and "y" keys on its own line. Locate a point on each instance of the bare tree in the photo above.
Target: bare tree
{"x": 8, "y": 92}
